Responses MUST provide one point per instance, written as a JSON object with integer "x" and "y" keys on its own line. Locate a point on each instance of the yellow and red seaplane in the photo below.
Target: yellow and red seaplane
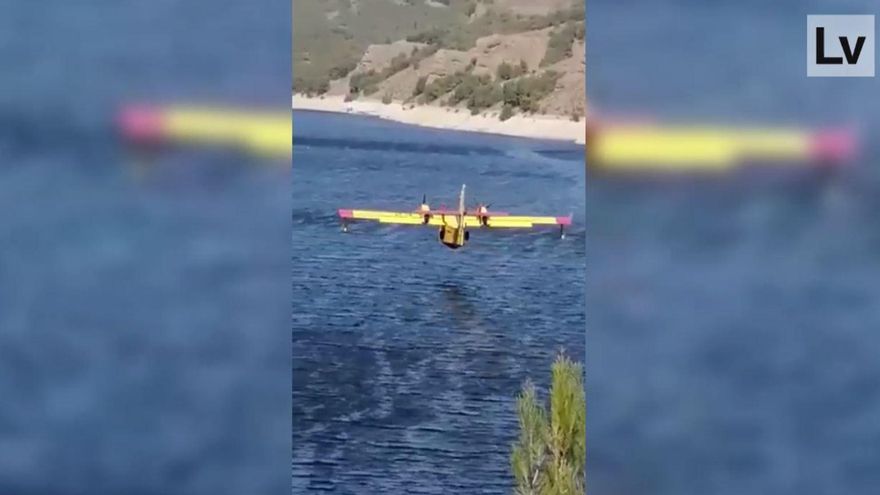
{"x": 453, "y": 224}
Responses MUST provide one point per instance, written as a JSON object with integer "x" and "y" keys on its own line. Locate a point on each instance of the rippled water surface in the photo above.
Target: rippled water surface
{"x": 732, "y": 342}
{"x": 144, "y": 305}
{"x": 407, "y": 356}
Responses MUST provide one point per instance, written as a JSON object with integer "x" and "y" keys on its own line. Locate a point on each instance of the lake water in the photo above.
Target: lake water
{"x": 407, "y": 356}
{"x": 732, "y": 322}
{"x": 144, "y": 305}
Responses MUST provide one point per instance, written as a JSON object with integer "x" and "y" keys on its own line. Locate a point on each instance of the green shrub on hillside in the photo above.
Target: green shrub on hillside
{"x": 367, "y": 82}
{"x": 362, "y": 82}
{"x": 442, "y": 85}
{"x": 420, "y": 86}
{"x": 559, "y": 46}
{"x": 504, "y": 71}
{"x": 433, "y": 36}
{"x": 485, "y": 95}
{"x": 341, "y": 70}
{"x": 525, "y": 93}
{"x": 464, "y": 89}
{"x": 507, "y": 71}
{"x": 311, "y": 86}
{"x": 506, "y": 113}
{"x": 482, "y": 92}
{"x": 470, "y": 9}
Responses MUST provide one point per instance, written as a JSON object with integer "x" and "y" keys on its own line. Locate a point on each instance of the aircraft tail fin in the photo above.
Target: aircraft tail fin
{"x": 461, "y": 201}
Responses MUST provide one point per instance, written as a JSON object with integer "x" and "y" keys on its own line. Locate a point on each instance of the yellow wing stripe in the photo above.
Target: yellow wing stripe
{"x": 521, "y": 221}
{"x": 436, "y": 220}
{"x": 403, "y": 218}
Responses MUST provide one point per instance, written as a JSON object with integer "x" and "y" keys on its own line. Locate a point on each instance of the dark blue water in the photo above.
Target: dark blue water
{"x": 732, "y": 322}
{"x": 144, "y": 307}
{"x": 407, "y": 356}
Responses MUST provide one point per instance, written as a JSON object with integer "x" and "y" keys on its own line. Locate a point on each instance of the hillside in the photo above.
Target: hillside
{"x": 495, "y": 57}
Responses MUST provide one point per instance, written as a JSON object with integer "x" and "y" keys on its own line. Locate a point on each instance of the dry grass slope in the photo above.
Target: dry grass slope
{"x": 486, "y": 56}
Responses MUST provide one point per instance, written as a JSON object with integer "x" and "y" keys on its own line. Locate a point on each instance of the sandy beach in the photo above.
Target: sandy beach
{"x": 538, "y": 127}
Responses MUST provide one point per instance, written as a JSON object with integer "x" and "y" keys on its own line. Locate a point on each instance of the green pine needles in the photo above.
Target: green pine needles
{"x": 550, "y": 454}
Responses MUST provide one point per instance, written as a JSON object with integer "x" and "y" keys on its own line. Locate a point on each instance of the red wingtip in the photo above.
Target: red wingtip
{"x": 346, "y": 213}
{"x": 834, "y": 146}
{"x": 564, "y": 220}
{"x": 141, "y": 123}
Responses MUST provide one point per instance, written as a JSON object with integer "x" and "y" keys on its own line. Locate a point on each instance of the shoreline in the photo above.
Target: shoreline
{"x": 553, "y": 128}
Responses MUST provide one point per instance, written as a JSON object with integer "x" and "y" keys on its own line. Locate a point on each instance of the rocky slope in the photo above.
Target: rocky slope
{"x": 502, "y": 57}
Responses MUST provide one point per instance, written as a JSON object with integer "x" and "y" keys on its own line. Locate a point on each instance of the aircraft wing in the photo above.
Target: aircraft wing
{"x": 522, "y": 222}
{"x": 401, "y": 217}
{"x": 437, "y": 219}
{"x": 396, "y": 217}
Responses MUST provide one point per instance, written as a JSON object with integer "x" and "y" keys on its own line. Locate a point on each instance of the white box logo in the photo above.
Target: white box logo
{"x": 840, "y": 46}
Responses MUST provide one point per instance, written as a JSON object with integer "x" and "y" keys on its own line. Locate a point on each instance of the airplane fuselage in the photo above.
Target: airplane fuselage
{"x": 453, "y": 237}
